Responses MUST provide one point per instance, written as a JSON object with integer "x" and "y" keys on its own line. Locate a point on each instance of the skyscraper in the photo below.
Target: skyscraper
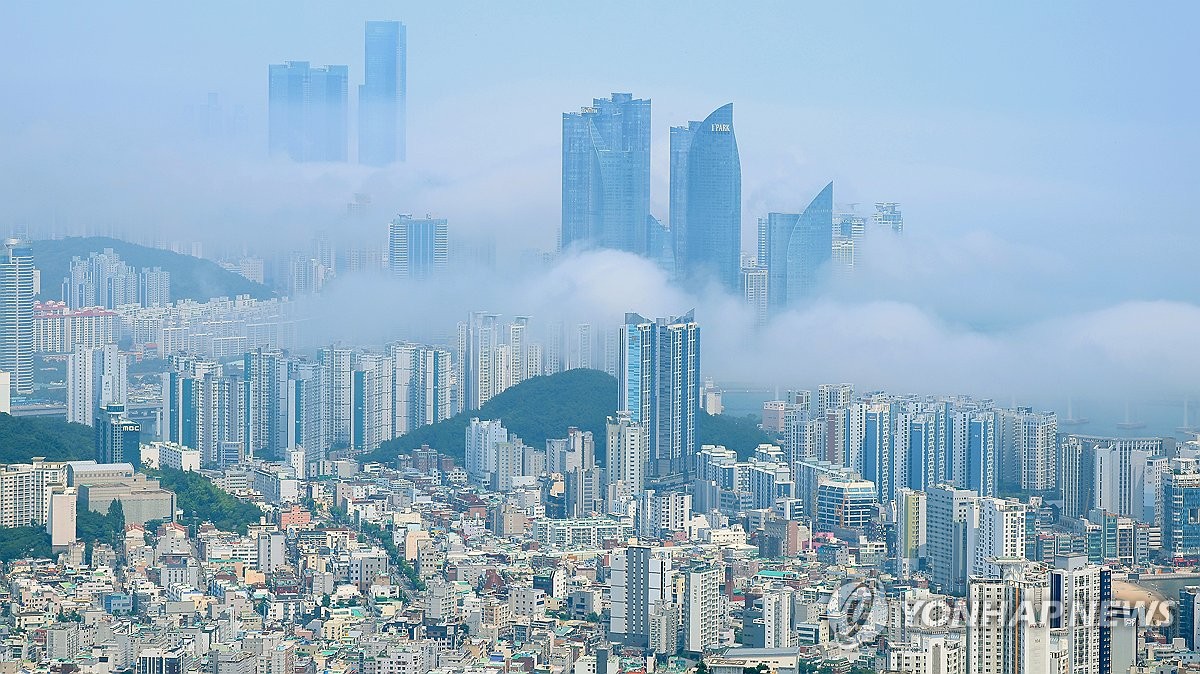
{"x": 479, "y": 454}
{"x": 417, "y": 248}
{"x": 265, "y": 404}
{"x": 94, "y": 377}
{"x": 478, "y": 342}
{"x": 423, "y": 383}
{"x": 702, "y": 606}
{"x": 606, "y": 175}
{"x": 200, "y": 410}
{"x": 383, "y": 95}
{"x": 659, "y": 385}
{"x": 794, "y": 247}
{"x": 628, "y": 455}
{"x": 706, "y": 199}
{"x": 118, "y": 439}
{"x": 947, "y": 513}
{"x": 1009, "y": 629}
{"x": 888, "y": 215}
{"x": 16, "y": 315}
{"x": 307, "y": 111}
{"x": 642, "y": 580}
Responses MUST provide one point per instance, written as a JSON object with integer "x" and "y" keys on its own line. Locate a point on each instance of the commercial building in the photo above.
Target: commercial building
{"x": 706, "y": 199}
{"x": 383, "y": 95}
{"x": 606, "y": 175}
{"x": 795, "y": 248}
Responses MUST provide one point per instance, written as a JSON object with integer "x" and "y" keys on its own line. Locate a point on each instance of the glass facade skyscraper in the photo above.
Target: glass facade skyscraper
{"x": 706, "y": 199}
{"x": 793, "y": 247}
{"x": 417, "y": 248}
{"x": 16, "y": 315}
{"x": 606, "y": 175}
{"x": 307, "y": 110}
{"x": 659, "y": 385}
{"x": 383, "y": 95}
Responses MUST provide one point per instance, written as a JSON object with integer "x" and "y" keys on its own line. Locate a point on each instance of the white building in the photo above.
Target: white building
{"x": 702, "y": 607}
{"x": 642, "y": 578}
{"x": 628, "y": 452}
{"x": 996, "y": 530}
{"x": 95, "y": 377}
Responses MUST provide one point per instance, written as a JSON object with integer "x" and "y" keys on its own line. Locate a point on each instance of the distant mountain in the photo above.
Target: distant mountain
{"x": 192, "y": 278}
{"x": 544, "y": 407}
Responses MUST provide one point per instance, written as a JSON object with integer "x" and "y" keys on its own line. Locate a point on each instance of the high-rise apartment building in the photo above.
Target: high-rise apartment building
{"x": 794, "y": 248}
{"x": 201, "y": 410}
{"x": 307, "y": 111}
{"x": 642, "y": 581}
{"x": 478, "y": 342}
{"x": 701, "y": 606}
{"x": 423, "y": 383}
{"x": 16, "y": 315}
{"x": 1028, "y": 449}
{"x": 659, "y": 385}
{"x": 755, "y": 292}
{"x": 628, "y": 452}
{"x": 264, "y": 408}
{"x": 480, "y": 455}
{"x": 383, "y": 95}
{"x": 1081, "y": 594}
{"x": 418, "y": 248}
{"x": 981, "y": 453}
{"x": 706, "y": 200}
{"x": 1009, "y": 628}
{"x": 995, "y": 530}
{"x": 948, "y": 511}
{"x": 606, "y": 175}
{"x": 337, "y": 368}
{"x": 372, "y": 391}
{"x": 95, "y": 377}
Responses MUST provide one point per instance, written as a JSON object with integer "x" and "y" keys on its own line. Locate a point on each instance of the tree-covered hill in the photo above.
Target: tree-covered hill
{"x": 544, "y": 407}
{"x": 192, "y": 278}
{"x": 22, "y": 438}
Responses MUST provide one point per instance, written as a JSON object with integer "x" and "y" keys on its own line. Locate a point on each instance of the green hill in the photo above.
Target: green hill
{"x": 192, "y": 278}
{"x": 22, "y": 438}
{"x": 544, "y": 407}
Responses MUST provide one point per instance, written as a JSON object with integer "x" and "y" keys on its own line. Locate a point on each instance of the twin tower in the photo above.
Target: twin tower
{"x": 606, "y": 189}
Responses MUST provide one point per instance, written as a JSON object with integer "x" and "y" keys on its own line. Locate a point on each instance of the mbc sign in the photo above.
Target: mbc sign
{"x": 721, "y": 128}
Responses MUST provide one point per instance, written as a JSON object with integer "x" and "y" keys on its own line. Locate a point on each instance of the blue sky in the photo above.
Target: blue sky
{"x": 1044, "y": 153}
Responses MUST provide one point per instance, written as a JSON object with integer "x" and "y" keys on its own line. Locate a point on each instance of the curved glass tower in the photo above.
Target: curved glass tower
{"x": 606, "y": 174}
{"x": 810, "y": 246}
{"x": 793, "y": 247}
{"x": 706, "y": 199}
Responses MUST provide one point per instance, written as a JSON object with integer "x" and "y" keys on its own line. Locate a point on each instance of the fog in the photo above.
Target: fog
{"x": 1044, "y": 158}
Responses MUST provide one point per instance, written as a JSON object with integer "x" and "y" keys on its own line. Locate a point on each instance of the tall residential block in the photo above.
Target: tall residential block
{"x": 16, "y": 315}
{"x": 418, "y": 248}
{"x": 642, "y": 581}
{"x": 95, "y": 377}
{"x": 307, "y": 111}
{"x": 383, "y": 95}
{"x": 795, "y": 248}
{"x": 659, "y": 385}
{"x": 706, "y": 200}
{"x": 606, "y": 175}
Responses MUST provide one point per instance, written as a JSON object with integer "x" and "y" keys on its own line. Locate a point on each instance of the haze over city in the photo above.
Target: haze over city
{"x": 622, "y": 338}
{"x": 1043, "y": 179}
